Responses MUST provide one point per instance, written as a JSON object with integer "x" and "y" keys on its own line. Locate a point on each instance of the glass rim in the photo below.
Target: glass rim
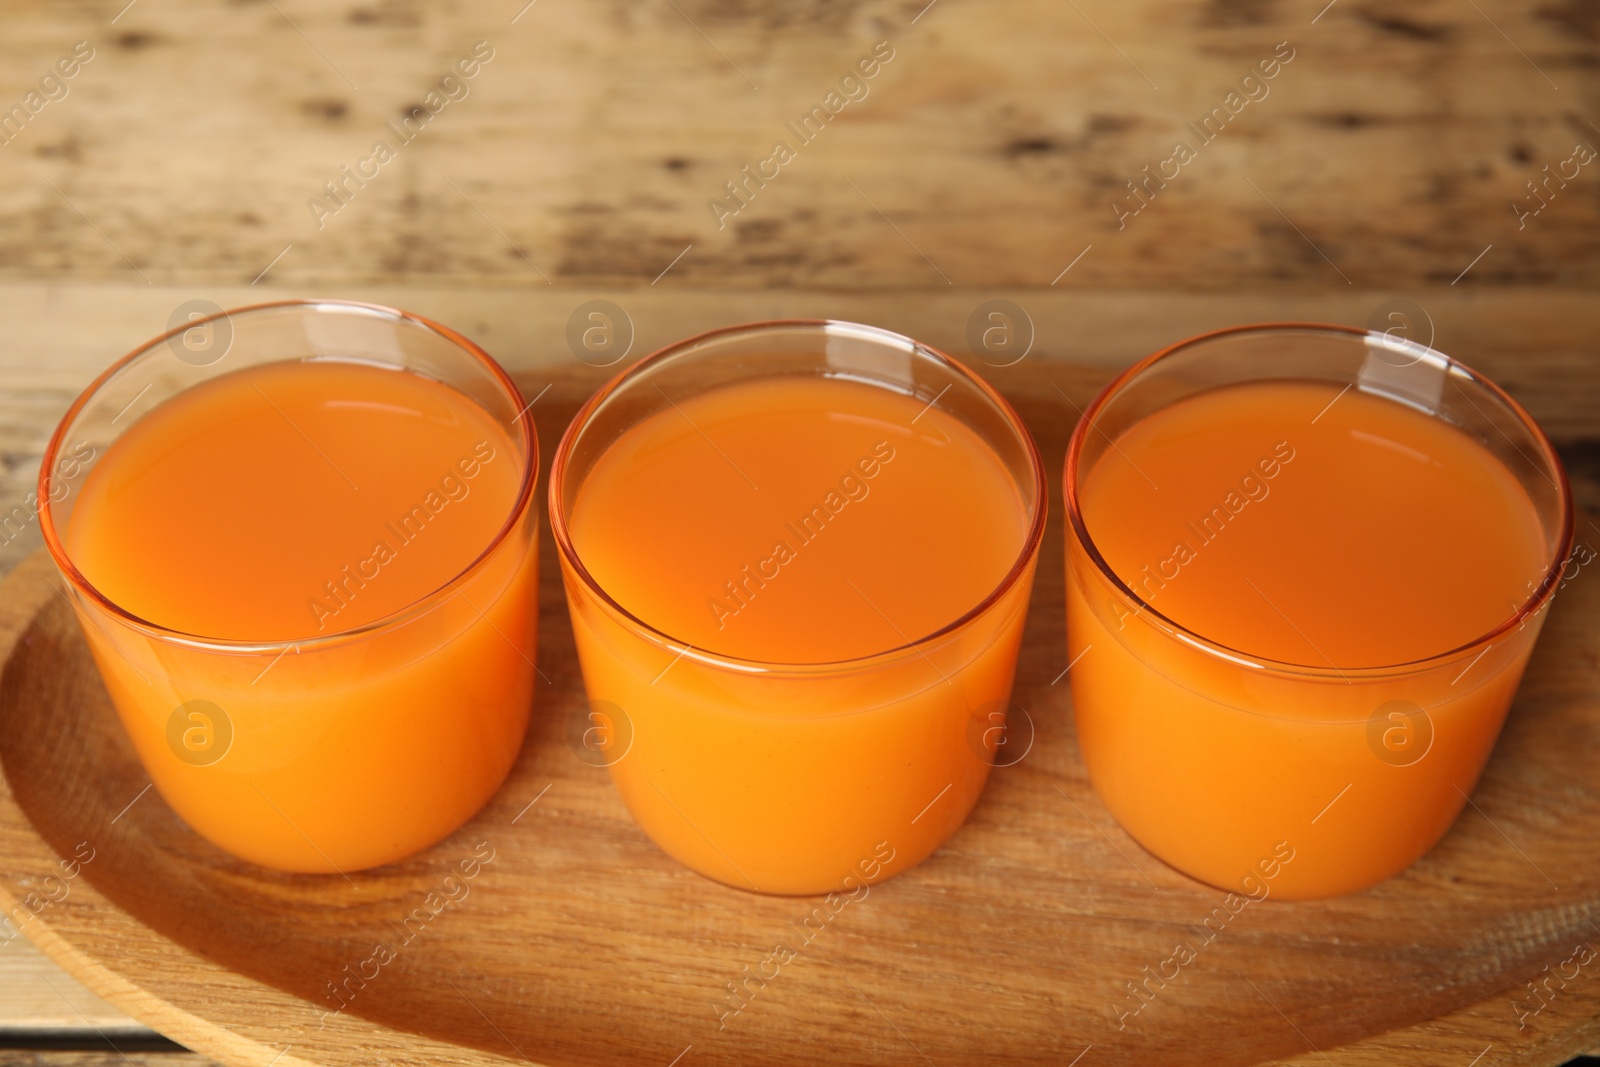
{"x": 558, "y": 519}
{"x": 1530, "y": 606}
{"x": 399, "y": 616}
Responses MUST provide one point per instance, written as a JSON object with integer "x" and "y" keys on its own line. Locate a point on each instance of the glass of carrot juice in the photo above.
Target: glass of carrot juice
{"x": 300, "y": 542}
{"x": 797, "y": 559}
{"x": 1306, "y": 566}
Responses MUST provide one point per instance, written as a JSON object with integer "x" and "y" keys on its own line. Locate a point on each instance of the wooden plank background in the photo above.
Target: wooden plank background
{"x": 39, "y": 999}
{"x": 988, "y": 152}
{"x": 986, "y": 160}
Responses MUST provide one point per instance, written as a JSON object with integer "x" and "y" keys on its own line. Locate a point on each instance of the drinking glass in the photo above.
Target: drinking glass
{"x": 344, "y": 750}
{"x": 1302, "y": 780}
{"x": 788, "y": 777}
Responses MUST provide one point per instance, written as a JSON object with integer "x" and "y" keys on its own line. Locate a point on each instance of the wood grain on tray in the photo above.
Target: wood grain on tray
{"x": 581, "y": 943}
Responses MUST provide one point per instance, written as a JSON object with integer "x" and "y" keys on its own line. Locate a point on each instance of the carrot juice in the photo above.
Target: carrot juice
{"x": 788, "y": 584}
{"x": 826, "y": 482}
{"x": 309, "y": 590}
{"x": 1329, "y": 559}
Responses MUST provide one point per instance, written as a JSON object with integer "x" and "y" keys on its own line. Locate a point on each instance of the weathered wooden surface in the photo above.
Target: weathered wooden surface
{"x": 584, "y": 944}
{"x": 989, "y": 151}
{"x": 35, "y": 997}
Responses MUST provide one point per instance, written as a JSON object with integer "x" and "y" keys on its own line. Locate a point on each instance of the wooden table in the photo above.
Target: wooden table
{"x": 990, "y": 159}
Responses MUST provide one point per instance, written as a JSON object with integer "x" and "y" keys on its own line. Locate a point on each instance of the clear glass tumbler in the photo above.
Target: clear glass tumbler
{"x": 348, "y": 749}
{"x": 788, "y": 777}
{"x": 1295, "y": 779}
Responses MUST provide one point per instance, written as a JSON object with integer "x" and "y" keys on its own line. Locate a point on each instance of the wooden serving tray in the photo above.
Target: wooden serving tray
{"x": 580, "y": 943}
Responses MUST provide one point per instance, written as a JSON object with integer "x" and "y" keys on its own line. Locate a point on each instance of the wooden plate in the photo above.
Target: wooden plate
{"x": 580, "y": 943}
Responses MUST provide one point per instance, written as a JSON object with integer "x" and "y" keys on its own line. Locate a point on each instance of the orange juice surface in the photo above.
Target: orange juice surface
{"x": 1339, "y": 531}
{"x": 293, "y": 499}
{"x": 287, "y": 502}
{"x": 800, "y": 521}
{"x": 1375, "y": 535}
